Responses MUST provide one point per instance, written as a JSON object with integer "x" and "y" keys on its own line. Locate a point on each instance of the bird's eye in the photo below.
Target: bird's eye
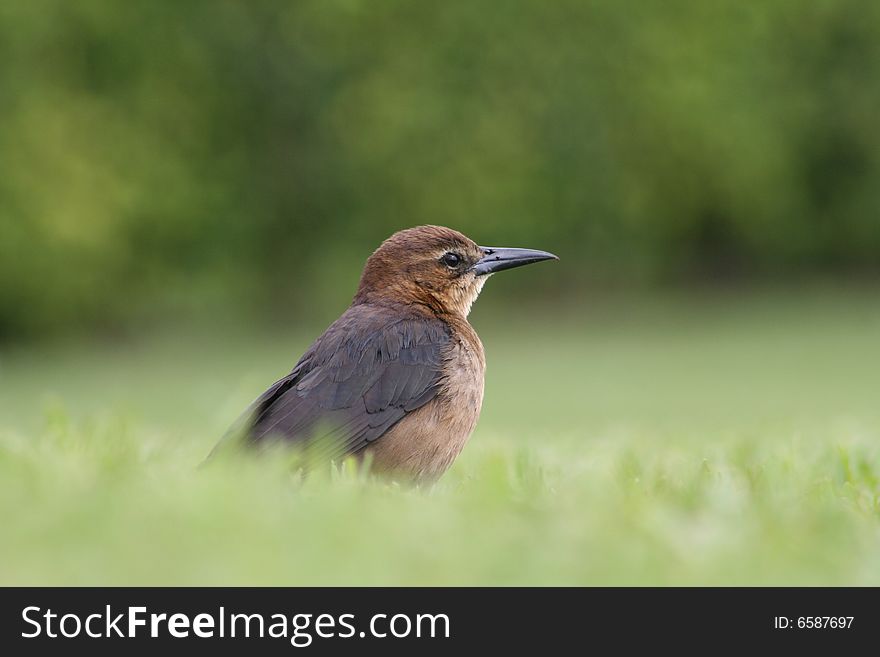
{"x": 451, "y": 259}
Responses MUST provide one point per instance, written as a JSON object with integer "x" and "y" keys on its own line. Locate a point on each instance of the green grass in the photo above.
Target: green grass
{"x": 680, "y": 441}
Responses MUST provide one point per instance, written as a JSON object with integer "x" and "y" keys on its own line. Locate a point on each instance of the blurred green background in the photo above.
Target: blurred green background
{"x": 689, "y": 396}
{"x": 166, "y": 159}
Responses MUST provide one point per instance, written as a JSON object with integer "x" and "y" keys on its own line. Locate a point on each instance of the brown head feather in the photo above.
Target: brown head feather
{"x": 412, "y": 267}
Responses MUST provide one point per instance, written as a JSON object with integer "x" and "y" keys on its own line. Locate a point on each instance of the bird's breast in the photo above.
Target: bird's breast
{"x": 424, "y": 444}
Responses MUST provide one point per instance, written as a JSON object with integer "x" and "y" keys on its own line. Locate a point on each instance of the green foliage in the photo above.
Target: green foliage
{"x": 111, "y": 508}
{"x": 717, "y": 443}
{"x": 162, "y": 156}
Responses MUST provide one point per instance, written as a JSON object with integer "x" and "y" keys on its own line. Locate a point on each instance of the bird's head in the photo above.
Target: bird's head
{"x": 436, "y": 266}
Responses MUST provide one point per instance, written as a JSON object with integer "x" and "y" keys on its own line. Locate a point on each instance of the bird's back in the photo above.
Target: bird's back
{"x": 374, "y": 372}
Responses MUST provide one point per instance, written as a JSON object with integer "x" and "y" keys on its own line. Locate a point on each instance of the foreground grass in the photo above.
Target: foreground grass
{"x": 679, "y": 444}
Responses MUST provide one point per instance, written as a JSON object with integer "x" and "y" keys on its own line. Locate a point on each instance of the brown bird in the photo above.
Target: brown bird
{"x": 398, "y": 378}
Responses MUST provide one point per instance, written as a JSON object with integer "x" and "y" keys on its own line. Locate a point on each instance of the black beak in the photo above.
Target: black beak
{"x": 500, "y": 258}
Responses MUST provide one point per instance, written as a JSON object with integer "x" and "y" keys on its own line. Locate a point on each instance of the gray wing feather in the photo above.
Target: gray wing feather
{"x": 361, "y": 377}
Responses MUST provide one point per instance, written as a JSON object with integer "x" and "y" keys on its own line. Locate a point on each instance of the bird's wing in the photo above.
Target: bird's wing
{"x": 363, "y": 375}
